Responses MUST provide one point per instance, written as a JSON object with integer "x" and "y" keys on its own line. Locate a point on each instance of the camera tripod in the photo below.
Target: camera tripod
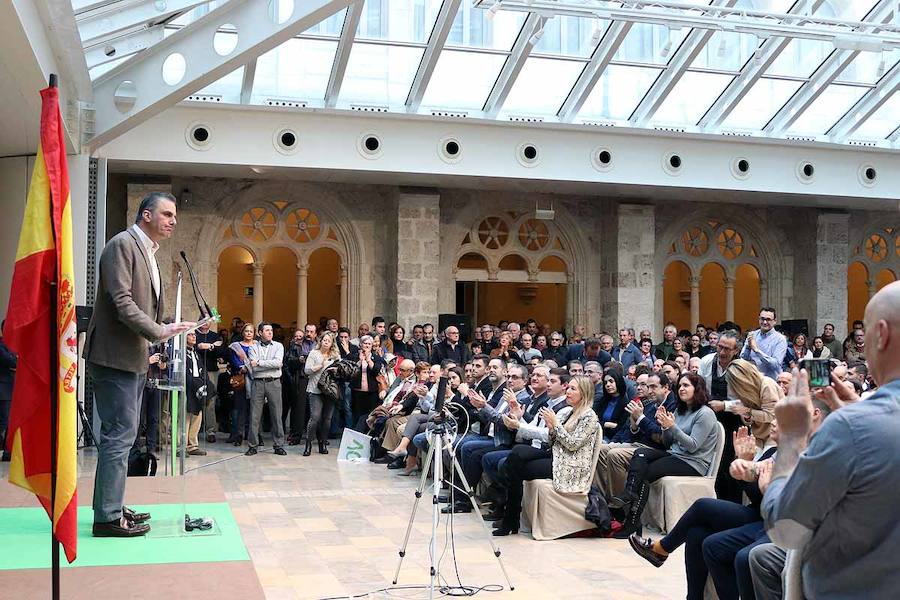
{"x": 439, "y": 438}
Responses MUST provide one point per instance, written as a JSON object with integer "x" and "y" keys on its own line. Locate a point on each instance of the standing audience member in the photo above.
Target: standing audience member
{"x": 321, "y": 405}
{"x": 365, "y": 383}
{"x": 833, "y": 344}
{"x": 819, "y": 349}
{"x": 796, "y": 351}
{"x": 451, "y": 348}
{"x": 626, "y": 352}
{"x": 301, "y": 345}
{"x": 857, "y": 351}
{"x": 266, "y": 359}
{"x": 765, "y": 346}
{"x": 666, "y": 349}
{"x": 240, "y": 398}
{"x": 196, "y": 386}
{"x": 756, "y": 397}
{"x": 211, "y": 349}
{"x": 832, "y": 494}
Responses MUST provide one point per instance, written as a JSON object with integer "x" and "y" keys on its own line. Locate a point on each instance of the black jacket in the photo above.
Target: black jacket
{"x": 421, "y": 350}
{"x": 7, "y": 363}
{"x": 210, "y": 357}
{"x": 442, "y": 351}
{"x": 558, "y": 356}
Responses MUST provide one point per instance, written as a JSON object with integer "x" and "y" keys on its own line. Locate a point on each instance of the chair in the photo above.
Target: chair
{"x": 670, "y": 497}
{"x": 550, "y": 514}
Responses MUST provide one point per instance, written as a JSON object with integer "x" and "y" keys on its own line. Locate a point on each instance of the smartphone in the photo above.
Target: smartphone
{"x": 819, "y": 370}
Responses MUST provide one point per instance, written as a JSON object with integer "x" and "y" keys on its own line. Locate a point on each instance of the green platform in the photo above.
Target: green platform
{"x": 25, "y": 540}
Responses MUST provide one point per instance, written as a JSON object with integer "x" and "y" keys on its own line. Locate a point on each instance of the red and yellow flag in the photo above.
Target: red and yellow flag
{"x": 45, "y": 256}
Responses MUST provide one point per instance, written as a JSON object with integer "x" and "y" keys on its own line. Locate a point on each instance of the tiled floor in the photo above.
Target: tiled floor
{"x": 316, "y": 528}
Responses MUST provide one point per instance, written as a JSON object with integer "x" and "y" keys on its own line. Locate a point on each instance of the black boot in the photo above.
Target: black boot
{"x": 623, "y": 501}
{"x": 308, "y": 449}
{"x": 632, "y": 523}
{"x": 509, "y": 525}
{"x": 323, "y": 449}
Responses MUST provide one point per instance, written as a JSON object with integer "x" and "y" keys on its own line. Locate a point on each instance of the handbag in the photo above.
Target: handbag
{"x": 237, "y": 381}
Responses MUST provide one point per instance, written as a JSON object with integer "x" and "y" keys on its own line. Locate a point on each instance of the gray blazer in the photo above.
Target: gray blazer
{"x": 126, "y": 314}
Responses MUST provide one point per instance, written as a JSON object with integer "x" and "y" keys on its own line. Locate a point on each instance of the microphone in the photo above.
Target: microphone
{"x": 195, "y": 287}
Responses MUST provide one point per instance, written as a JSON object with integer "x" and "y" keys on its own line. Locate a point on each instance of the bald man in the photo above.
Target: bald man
{"x": 834, "y": 494}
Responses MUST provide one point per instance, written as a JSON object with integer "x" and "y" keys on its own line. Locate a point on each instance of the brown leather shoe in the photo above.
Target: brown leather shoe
{"x": 135, "y": 517}
{"x": 115, "y": 529}
{"x": 644, "y": 549}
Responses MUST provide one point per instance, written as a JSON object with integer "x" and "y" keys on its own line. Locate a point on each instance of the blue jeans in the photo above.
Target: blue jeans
{"x": 727, "y": 556}
{"x": 472, "y": 453}
{"x": 492, "y": 462}
{"x": 343, "y": 413}
{"x": 704, "y": 518}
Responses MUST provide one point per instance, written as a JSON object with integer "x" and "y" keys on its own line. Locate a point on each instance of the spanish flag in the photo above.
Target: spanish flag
{"x": 45, "y": 256}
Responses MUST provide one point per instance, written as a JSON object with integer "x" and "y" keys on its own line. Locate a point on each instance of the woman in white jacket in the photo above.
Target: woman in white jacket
{"x": 320, "y": 406}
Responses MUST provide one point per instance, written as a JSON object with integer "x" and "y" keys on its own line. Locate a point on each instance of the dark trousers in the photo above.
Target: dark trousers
{"x": 117, "y": 397}
{"x": 727, "y": 487}
{"x": 6, "y": 389}
{"x": 727, "y": 556}
{"x": 650, "y": 464}
{"x": 472, "y": 454}
{"x": 240, "y": 404}
{"x": 295, "y": 413}
{"x": 524, "y": 463}
{"x": 320, "y": 409}
{"x": 343, "y": 412}
{"x": 704, "y": 518}
{"x": 150, "y": 418}
{"x": 363, "y": 402}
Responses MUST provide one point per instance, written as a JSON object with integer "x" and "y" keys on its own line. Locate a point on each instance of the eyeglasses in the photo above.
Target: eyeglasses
{"x": 766, "y": 319}
{"x": 514, "y": 377}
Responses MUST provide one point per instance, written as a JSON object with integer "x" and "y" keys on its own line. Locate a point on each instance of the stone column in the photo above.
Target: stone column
{"x": 302, "y": 294}
{"x": 729, "y": 299}
{"x": 634, "y": 276}
{"x": 418, "y": 259}
{"x": 345, "y": 297}
{"x": 257, "y": 293}
{"x": 695, "y": 302}
{"x": 873, "y": 287}
{"x": 832, "y": 250}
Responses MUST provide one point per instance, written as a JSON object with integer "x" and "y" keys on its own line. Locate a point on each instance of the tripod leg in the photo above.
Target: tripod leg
{"x": 476, "y": 514}
{"x": 419, "y": 491}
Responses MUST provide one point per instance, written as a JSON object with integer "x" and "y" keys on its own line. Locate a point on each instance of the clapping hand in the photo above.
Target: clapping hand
{"x": 740, "y": 409}
{"x": 794, "y": 412}
{"x": 463, "y": 389}
{"x": 477, "y": 399}
{"x": 751, "y": 341}
{"x": 509, "y": 396}
{"x": 515, "y": 409}
{"x": 743, "y": 470}
{"x": 549, "y": 417}
{"x": 664, "y": 418}
{"x": 764, "y": 470}
{"x": 744, "y": 444}
{"x": 510, "y": 422}
{"x": 636, "y": 409}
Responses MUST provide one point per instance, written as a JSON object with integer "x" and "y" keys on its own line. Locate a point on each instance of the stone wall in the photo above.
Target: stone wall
{"x": 831, "y": 271}
{"x": 635, "y": 278}
{"x": 418, "y": 258}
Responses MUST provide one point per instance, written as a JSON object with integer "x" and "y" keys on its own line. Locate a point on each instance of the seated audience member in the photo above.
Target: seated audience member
{"x": 784, "y": 382}
{"x": 681, "y": 362}
{"x": 568, "y": 461}
{"x": 488, "y": 341}
{"x": 756, "y": 397}
{"x": 690, "y": 436}
{"x": 506, "y": 351}
{"x": 610, "y": 407}
{"x": 765, "y": 347}
{"x": 694, "y": 364}
{"x": 527, "y": 352}
{"x": 665, "y": 350}
{"x": 555, "y": 350}
{"x": 590, "y": 350}
{"x": 819, "y": 349}
{"x": 642, "y": 429}
{"x": 678, "y": 345}
{"x": 858, "y": 372}
{"x": 575, "y": 368}
{"x": 606, "y": 343}
{"x": 796, "y": 351}
{"x": 540, "y": 344}
{"x": 450, "y": 348}
{"x": 832, "y": 493}
{"x": 699, "y": 347}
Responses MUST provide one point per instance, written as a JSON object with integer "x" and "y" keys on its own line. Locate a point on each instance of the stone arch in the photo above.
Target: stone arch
{"x": 760, "y": 248}
{"x": 322, "y": 200}
{"x": 565, "y": 243}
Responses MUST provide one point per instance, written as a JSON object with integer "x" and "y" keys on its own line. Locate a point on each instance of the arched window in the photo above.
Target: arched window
{"x": 874, "y": 263}
{"x": 713, "y": 274}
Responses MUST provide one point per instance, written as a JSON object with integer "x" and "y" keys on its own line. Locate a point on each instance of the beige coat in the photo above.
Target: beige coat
{"x": 573, "y": 452}
{"x": 127, "y": 314}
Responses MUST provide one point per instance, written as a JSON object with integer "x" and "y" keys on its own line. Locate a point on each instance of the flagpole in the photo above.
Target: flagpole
{"x": 54, "y": 406}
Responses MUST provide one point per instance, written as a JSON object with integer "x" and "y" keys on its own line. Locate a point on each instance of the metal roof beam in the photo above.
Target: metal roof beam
{"x": 124, "y": 45}
{"x": 692, "y": 45}
{"x": 135, "y": 91}
{"x": 513, "y": 65}
{"x": 342, "y": 55}
{"x": 762, "y": 59}
{"x": 827, "y": 72}
{"x": 866, "y": 106}
{"x": 122, "y": 16}
{"x": 247, "y": 81}
{"x": 436, "y": 41}
{"x": 600, "y": 59}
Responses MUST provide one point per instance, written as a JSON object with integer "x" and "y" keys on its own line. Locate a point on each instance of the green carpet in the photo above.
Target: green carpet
{"x": 25, "y": 540}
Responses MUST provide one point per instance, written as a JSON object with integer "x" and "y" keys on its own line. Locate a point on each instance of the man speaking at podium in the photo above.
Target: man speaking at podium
{"x": 126, "y": 320}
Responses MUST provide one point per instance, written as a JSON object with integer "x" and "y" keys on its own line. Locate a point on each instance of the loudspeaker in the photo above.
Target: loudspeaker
{"x": 792, "y": 327}
{"x": 462, "y": 322}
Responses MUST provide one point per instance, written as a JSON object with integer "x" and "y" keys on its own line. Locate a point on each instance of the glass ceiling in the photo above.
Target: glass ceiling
{"x": 503, "y": 65}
